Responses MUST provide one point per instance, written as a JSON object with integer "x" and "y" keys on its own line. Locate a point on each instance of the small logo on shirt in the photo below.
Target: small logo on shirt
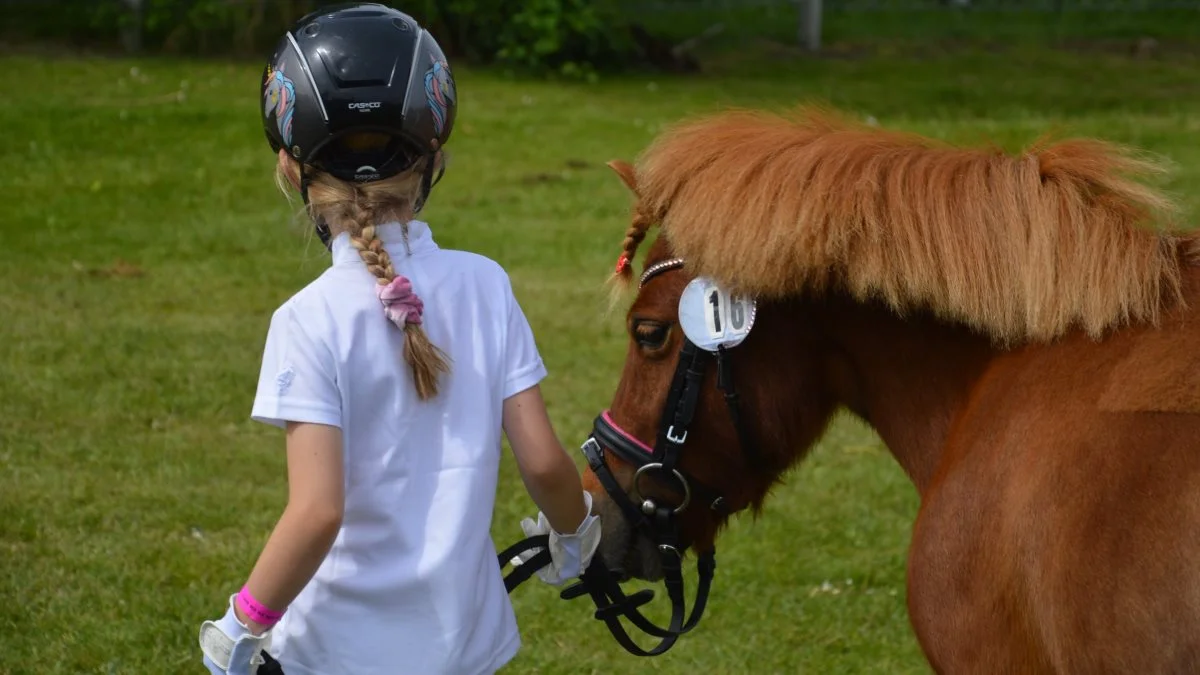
{"x": 283, "y": 381}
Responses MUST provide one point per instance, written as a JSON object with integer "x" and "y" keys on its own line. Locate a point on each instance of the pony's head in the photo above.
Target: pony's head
{"x": 729, "y": 464}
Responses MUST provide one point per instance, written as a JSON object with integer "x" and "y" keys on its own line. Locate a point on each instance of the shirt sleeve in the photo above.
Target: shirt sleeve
{"x": 523, "y": 364}
{"x": 298, "y": 380}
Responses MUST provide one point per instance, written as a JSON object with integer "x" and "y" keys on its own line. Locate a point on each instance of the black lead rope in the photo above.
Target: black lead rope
{"x": 528, "y": 568}
{"x": 612, "y": 604}
{"x": 269, "y": 666}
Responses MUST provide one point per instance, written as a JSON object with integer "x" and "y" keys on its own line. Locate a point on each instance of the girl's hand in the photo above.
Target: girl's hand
{"x": 570, "y": 554}
{"x": 230, "y": 647}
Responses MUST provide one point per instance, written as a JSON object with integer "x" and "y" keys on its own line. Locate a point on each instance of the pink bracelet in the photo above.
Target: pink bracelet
{"x": 255, "y": 610}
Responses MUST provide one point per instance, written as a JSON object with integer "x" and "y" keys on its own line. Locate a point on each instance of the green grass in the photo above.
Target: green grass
{"x": 143, "y": 248}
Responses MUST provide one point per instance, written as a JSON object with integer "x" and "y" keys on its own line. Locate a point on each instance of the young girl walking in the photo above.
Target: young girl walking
{"x": 393, "y": 374}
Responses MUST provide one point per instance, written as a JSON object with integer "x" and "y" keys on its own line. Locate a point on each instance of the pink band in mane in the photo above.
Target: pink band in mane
{"x": 400, "y": 304}
{"x": 622, "y": 263}
{"x": 628, "y": 436}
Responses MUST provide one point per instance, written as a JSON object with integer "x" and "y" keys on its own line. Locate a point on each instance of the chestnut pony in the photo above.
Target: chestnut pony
{"x": 1017, "y": 331}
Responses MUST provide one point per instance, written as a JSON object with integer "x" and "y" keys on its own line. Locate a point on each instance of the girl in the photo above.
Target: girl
{"x": 393, "y": 374}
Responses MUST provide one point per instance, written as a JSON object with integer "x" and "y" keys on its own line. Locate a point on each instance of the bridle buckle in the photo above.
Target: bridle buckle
{"x": 592, "y": 444}
{"x": 676, "y": 439}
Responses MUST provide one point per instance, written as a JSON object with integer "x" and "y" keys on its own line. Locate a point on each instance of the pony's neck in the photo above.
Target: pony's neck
{"x": 908, "y": 378}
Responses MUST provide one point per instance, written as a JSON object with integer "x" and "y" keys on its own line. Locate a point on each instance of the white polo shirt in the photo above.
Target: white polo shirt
{"x": 411, "y": 584}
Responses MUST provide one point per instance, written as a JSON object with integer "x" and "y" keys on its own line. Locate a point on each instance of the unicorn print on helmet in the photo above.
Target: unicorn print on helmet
{"x": 280, "y": 95}
{"x": 439, "y": 92}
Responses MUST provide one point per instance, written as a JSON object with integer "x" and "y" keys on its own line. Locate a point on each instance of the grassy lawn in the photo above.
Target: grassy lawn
{"x": 143, "y": 248}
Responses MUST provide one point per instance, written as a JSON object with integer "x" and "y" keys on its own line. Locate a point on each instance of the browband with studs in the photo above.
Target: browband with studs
{"x": 659, "y": 268}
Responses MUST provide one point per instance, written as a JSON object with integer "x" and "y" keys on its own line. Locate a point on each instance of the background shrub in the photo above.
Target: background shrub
{"x": 573, "y": 37}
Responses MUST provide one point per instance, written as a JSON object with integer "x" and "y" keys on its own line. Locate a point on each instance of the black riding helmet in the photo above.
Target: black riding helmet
{"x": 360, "y": 91}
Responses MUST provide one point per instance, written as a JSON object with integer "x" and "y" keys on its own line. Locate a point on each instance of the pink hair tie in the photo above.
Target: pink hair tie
{"x": 400, "y": 304}
{"x": 255, "y": 610}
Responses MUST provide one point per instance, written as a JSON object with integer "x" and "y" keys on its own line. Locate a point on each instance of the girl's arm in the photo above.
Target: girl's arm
{"x": 310, "y": 522}
{"x": 547, "y": 471}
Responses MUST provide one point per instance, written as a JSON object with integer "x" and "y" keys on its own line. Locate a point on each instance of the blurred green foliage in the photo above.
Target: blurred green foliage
{"x": 571, "y": 37}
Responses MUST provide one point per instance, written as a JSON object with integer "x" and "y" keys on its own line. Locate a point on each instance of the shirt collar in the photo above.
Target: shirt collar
{"x": 420, "y": 240}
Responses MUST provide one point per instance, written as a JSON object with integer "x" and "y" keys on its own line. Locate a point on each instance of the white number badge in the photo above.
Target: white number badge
{"x": 711, "y": 317}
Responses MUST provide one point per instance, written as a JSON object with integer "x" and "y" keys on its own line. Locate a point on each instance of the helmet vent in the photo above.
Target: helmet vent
{"x": 351, "y": 71}
{"x": 402, "y": 25}
{"x": 311, "y": 30}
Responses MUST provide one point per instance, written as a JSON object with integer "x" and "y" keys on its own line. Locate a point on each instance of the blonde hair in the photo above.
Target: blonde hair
{"x": 357, "y": 209}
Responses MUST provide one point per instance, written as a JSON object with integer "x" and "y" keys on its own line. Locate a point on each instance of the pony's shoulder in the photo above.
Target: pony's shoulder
{"x": 1161, "y": 372}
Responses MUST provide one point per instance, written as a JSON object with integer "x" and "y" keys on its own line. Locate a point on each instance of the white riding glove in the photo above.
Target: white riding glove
{"x": 229, "y": 647}
{"x": 570, "y": 554}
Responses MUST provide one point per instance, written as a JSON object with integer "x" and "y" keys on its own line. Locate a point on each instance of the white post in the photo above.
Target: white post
{"x": 131, "y": 31}
{"x": 810, "y": 24}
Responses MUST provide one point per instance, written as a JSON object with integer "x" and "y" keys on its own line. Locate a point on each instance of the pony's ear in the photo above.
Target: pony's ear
{"x": 627, "y": 173}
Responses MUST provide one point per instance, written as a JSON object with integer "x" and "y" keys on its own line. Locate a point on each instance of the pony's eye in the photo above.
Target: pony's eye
{"x": 650, "y": 334}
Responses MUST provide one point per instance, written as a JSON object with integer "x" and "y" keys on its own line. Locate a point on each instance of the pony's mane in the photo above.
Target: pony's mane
{"x": 1022, "y": 247}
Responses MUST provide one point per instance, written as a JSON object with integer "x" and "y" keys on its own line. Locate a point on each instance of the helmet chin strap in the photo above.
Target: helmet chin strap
{"x": 428, "y": 181}
{"x": 319, "y": 223}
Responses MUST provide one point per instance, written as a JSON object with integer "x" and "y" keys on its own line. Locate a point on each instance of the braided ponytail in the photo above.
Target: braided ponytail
{"x": 424, "y": 357}
{"x": 357, "y": 209}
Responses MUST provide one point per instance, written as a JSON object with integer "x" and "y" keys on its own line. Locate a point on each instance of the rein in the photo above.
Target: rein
{"x": 658, "y": 522}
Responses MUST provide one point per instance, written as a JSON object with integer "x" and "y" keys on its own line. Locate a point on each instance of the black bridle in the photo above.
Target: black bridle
{"x": 658, "y": 522}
